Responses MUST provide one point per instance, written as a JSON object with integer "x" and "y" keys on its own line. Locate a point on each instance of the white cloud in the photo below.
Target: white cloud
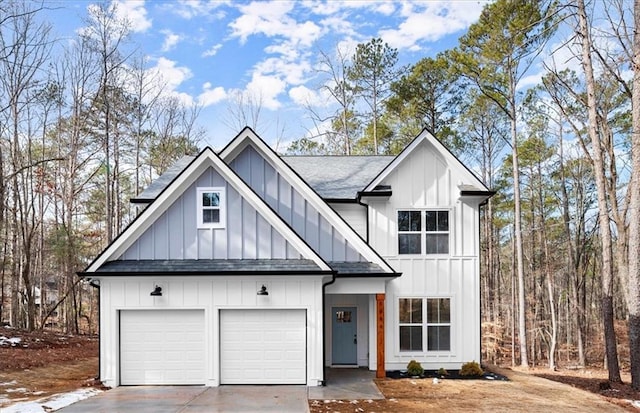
{"x": 292, "y": 72}
{"x": 273, "y": 19}
{"x": 171, "y": 77}
{"x": 212, "y": 51}
{"x": 430, "y": 21}
{"x": 267, "y": 89}
{"x": 303, "y": 96}
{"x": 134, "y": 12}
{"x": 171, "y": 39}
{"x": 211, "y": 96}
{"x": 188, "y": 9}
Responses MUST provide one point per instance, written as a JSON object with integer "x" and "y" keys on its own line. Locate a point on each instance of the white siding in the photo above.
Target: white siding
{"x": 210, "y": 295}
{"x": 174, "y": 235}
{"x": 424, "y": 181}
{"x": 355, "y": 215}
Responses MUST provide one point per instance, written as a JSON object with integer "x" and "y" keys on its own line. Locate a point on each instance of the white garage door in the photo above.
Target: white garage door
{"x": 162, "y": 347}
{"x": 263, "y": 346}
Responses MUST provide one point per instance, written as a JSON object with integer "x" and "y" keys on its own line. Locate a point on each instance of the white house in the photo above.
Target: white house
{"x": 246, "y": 267}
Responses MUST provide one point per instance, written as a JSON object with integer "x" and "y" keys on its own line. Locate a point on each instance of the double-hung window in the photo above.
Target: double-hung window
{"x": 211, "y": 208}
{"x": 410, "y": 324}
{"x": 413, "y": 323}
{"x": 423, "y": 232}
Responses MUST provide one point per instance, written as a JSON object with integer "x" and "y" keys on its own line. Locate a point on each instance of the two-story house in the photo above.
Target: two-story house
{"x": 245, "y": 267}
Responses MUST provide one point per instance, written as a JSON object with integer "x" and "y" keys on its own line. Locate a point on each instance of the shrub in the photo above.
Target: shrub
{"x": 442, "y": 372}
{"x": 471, "y": 369}
{"x": 414, "y": 368}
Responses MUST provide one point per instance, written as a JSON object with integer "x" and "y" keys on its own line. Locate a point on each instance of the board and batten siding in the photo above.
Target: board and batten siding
{"x": 423, "y": 181}
{"x": 175, "y": 234}
{"x": 210, "y": 294}
{"x": 294, "y": 209}
{"x": 355, "y": 215}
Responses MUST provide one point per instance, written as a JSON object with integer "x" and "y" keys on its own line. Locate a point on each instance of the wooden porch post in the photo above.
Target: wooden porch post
{"x": 380, "y": 372}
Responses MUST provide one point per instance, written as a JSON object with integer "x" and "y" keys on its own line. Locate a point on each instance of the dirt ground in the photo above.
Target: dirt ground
{"x": 523, "y": 392}
{"x": 44, "y": 363}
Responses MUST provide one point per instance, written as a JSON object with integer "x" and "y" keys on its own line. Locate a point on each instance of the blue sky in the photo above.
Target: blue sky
{"x": 210, "y": 51}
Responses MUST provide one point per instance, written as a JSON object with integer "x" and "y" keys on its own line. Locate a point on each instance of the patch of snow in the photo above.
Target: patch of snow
{"x": 17, "y": 390}
{"x": 52, "y": 403}
{"x": 9, "y": 383}
{"x": 636, "y": 404}
{"x": 13, "y": 341}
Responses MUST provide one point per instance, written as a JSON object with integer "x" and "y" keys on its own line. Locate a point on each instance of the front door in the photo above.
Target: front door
{"x": 344, "y": 335}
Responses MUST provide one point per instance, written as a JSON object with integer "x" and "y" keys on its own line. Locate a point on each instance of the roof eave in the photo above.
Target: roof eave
{"x": 99, "y": 274}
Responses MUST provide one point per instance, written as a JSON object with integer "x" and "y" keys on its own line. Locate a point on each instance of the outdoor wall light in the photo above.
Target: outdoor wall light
{"x": 263, "y": 291}
{"x": 157, "y": 292}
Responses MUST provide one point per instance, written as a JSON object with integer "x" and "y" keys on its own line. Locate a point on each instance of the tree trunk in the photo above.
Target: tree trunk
{"x": 603, "y": 206}
{"x": 634, "y": 206}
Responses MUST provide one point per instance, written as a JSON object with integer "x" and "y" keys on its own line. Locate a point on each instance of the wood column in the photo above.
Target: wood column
{"x": 380, "y": 371}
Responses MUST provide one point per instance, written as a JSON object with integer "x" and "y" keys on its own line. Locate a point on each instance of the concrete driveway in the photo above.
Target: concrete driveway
{"x": 347, "y": 384}
{"x": 192, "y": 399}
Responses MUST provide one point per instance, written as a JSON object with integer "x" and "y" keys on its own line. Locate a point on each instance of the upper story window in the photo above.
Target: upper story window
{"x": 211, "y": 208}
{"x": 423, "y": 232}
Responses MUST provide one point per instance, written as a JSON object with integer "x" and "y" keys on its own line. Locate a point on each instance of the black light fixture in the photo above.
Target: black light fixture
{"x": 157, "y": 292}
{"x": 263, "y": 291}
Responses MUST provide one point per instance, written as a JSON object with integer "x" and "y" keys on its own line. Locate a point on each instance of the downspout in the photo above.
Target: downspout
{"x": 96, "y": 284}
{"x": 324, "y": 327}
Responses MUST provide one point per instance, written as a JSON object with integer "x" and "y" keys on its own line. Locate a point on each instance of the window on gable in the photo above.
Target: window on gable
{"x": 211, "y": 208}
{"x": 437, "y": 232}
{"x": 409, "y": 232}
{"x": 412, "y": 324}
{"x": 426, "y": 231}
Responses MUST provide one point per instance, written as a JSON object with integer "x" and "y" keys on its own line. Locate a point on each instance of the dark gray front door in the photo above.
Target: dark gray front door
{"x": 344, "y": 335}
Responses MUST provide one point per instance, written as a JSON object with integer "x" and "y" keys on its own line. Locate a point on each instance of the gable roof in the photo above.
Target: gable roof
{"x": 207, "y": 158}
{"x": 472, "y": 186}
{"x": 248, "y": 137}
{"x": 338, "y": 177}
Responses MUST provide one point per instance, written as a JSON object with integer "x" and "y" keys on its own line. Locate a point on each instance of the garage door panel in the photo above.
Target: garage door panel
{"x": 162, "y": 347}
{"x": 263, "y": 346}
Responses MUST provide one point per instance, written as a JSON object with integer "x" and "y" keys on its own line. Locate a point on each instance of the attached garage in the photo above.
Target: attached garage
{"x": 162, "y": 347}
{"x": 263, "y": 346}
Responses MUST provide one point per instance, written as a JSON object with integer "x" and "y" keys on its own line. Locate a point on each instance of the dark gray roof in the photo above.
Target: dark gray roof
{"x": 160, "y": 183}
{"x": 357, "y": 268}
{"x": 338, "y": 177}
{"x": 209, "y": 267}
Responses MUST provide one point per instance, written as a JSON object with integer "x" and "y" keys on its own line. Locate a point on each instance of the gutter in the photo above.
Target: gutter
{"x": 96, "y": 284}
{"x": 324, "y": 325}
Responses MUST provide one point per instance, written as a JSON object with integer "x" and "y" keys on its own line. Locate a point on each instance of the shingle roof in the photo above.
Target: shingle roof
{"x": 332, "y": 177}
{"x": 209, "y": 267}
{"x": 357, "y": 268}
{"x": 338, "y": 177}
{"x": 160, "y": 183}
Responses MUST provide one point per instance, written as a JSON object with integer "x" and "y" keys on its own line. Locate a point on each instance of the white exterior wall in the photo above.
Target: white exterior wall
{"x": 355, "y": 215}
{"x": 210, "y": 294}
{"x": 424, "y": 181}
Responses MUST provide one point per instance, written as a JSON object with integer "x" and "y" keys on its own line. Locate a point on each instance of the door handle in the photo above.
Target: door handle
{"x": 355, "y": 339}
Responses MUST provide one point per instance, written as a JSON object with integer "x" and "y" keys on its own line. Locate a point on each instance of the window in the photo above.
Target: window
{"x": 413, "y": 224}
{"x": 437, "y": 232}
{"x": 409, "y": 236}
{"x": 211, "y": 208}
{"x": 410, "y": 324}
{"x": 437, "y": 324}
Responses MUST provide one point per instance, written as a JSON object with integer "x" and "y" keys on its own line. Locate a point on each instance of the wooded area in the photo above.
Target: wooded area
{"x": 84, "y": 131}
